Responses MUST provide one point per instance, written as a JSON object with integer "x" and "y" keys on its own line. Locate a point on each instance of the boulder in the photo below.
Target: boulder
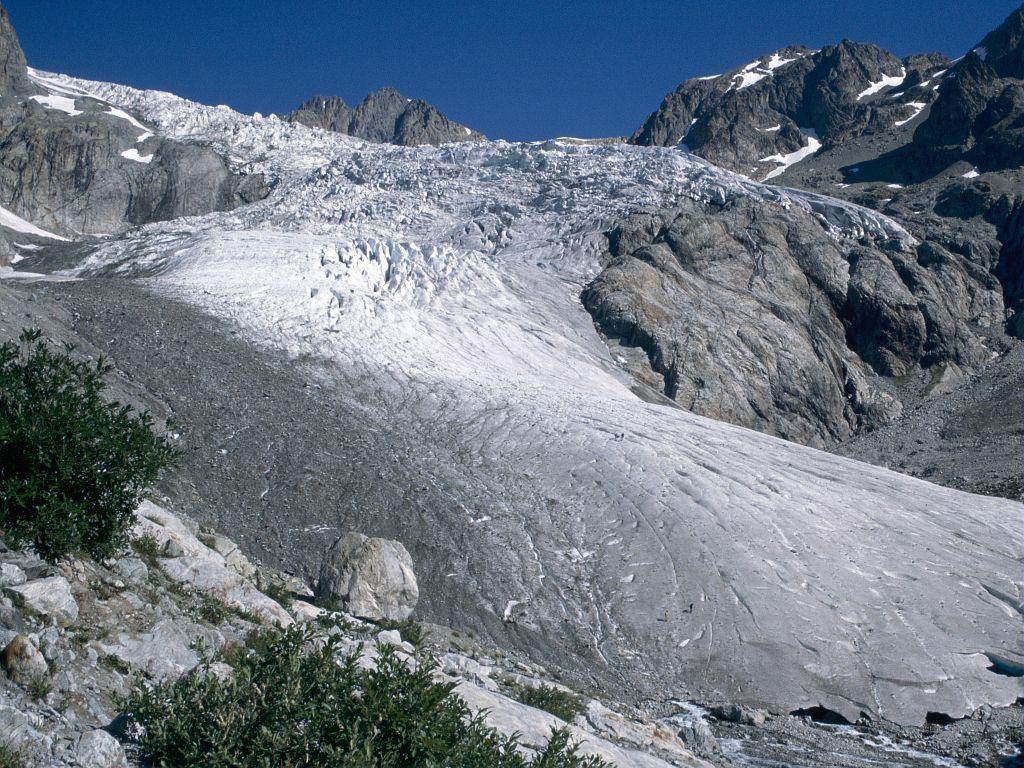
{"x": 11, "y": 575}
{"x": 49, "y": 598}
{"x": 304, "y": 612}
{"x": 696, "y": 734}
{"x": 736, "y": 713}
{"x": 370, "y": 578}
{"x": 22, "y": 661}
{"x": 98, "y": 749}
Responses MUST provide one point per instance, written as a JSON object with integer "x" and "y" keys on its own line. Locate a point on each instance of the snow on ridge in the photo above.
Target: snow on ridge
{"x": 133, "y": 155}
{"x": 887, "y": 81}
{"x": 917, "y": 107}
{"x": 758, "y": 70}
{"x": 794, "y": 157}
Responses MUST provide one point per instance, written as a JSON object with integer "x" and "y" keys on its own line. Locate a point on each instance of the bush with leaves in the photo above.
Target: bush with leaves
{"x": 294, "y": 700}
{"x": 72, "y": 464}
{"x": 549, "y": 698}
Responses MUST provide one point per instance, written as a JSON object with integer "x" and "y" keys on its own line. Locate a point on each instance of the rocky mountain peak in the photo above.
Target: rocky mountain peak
{"x": 977, "y": 114}
{"x": 384, "y": 116}
{"x": 1001, "y": 48}
{"x": 14, "y": 80}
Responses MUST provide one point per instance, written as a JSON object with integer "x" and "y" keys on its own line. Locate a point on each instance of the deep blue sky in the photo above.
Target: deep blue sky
{"x": 517, "y": 70}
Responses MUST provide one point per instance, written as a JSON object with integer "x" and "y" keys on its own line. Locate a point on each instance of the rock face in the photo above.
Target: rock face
{"x": 752, "y": 119}
{"x": 933, "y": 144}
{"x": 49, "y": 598}
{"x": 384, "y": 116}
{"x": 72, "y": 164}
{"x": 755, "y": 315}
{"x": 978, "y": 113}
{"x": 13, "y": 70}
{"x": 369, "y": 578}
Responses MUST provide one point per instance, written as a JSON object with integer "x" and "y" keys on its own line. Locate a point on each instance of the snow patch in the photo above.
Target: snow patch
{"x": 918, "y": 107}
{"x": 971, "y": 174}
{"x": 133, "y": 155}
{"x": 786, "y": 161}
{"x": 18, "y": 224}
{"x": 982, "y": 52}
{"x": 777, "y": 61}
{"x": 64, "y": 104}
{"x": 887, "y": 81}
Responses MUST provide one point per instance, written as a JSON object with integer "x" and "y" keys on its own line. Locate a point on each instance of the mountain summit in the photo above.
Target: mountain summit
{"x": 385, "y": 116}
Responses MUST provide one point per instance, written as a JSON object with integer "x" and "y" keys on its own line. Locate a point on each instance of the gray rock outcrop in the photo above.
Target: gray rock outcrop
{"x": 14, "y": 80}
{"x": 384, "y": 116}
{"x": 98, "y": 749}
{"x": 370, "y": 578}
{"x": 73, "y": 165}
{"x": 754, "y": 315}
{"x": 49, "y": 598}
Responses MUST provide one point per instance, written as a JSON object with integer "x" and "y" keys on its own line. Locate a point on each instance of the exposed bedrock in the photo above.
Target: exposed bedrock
{"x": 753, "y": 314}
{"x": 72, "y": 164}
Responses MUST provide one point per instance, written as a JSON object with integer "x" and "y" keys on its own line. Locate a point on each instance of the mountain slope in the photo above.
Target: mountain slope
{"x": 384, "y": 116}
{"x": 774, "y": 111}
{"x": 71, "y": 164}
{"x": 430, "y": 299}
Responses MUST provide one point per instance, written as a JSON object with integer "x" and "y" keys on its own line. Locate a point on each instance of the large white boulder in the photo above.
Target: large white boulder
{"x": 369, "y": 578}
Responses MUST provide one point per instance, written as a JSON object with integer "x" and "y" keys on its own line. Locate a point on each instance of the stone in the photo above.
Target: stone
{"x": 23, "y": 729}
{"x": 736, "y": 713}
{"x": 370, "y": 578}
{"x": 389, "y": 637}
{"x": 233, "y": 556}
{"x": 304, "y": 612}
{"x": 166, "y": 651}
{"x": 50, "y": 598}
{"x": 173, "y": 548}
{"x": 659, "y": 737}
{"x": 22, "y": 660}
{"x": 98, "y": 749}
{"x": 11, "y": 575}
{"x": 131, "y": 569}
{"x": 696, "y": 734}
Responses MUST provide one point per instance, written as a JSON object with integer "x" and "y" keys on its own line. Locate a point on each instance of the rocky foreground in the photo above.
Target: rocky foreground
{"x": 78, "y": 635}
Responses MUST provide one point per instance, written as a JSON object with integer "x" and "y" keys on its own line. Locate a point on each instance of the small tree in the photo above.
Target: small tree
{"x": 73, "y": 465}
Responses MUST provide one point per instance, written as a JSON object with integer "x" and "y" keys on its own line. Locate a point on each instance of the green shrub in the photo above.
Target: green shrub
{"x": 11, "y": 756}
{"x": 550, "y": 699}
{"x": 147, "y": 548}
{"x": 412, "y": 632}
{"x": 72, "y": 465}
{"x": 292, "y": 702}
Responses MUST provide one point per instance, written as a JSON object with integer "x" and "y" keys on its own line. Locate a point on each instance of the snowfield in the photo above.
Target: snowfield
{"x": 683, "y": 557}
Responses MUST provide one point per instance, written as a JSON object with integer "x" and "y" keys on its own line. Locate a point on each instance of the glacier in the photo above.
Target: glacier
{"x": 612, "y": 536}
